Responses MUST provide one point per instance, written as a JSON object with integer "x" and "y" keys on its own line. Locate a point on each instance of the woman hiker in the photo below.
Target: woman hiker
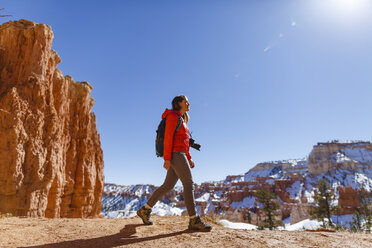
{"x": 177, "y": 162}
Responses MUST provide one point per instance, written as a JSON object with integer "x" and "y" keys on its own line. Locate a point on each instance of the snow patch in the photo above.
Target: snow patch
{"x": 237, "y": 225}
{"x": 203, "y": 198}
{"x": 247, "y": 202}
{"x": 358, "y": 154}
{"x": 303, "y": 225}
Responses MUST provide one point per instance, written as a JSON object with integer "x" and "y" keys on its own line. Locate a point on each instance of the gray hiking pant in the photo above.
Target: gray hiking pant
{"x": 179, "y": 169}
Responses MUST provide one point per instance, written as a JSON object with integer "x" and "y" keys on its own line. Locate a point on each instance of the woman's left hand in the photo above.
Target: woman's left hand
{"x": 192, "y": 164}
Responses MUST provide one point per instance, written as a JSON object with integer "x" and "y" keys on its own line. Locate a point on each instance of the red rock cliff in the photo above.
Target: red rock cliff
{"x": 51, "y": 161}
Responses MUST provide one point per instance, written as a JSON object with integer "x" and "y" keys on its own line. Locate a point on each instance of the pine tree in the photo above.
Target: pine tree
{"x": 270, "y": 208}
{"x": 365, "y": 202}
{"x": 322, "y": 199}
{"x": 356, "y": 224}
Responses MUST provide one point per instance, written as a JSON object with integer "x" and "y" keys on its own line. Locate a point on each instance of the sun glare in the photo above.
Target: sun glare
{"x": 345, "y": 13}
{"x": 348, "y": 7}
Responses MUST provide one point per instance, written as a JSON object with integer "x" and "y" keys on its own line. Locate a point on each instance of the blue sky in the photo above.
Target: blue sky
{"x": 266, "y": 80}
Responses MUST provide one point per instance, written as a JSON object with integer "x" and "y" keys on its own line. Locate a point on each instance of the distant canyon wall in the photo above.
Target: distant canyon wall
{"x": 330, "y": 156}
{"x": 346, "y": 166}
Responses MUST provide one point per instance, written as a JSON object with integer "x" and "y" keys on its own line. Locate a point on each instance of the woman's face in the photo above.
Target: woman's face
{"x": 185, "y": 105}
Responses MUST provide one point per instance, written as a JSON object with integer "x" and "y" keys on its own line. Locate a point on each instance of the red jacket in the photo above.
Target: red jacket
{"x": 180, "y": 141}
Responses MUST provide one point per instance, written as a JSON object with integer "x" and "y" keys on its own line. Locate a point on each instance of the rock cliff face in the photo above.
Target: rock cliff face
{"x": 51, "y": 161}
{"x": 332, "y": 156}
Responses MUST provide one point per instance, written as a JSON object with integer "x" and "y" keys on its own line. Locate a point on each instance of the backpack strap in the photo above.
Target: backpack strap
{"x": 178, "y": 123}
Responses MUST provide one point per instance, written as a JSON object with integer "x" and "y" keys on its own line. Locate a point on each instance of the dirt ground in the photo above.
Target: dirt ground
{"x": 167, "y": 231}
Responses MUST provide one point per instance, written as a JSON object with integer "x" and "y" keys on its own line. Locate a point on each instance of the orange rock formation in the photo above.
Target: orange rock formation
{"x": 51, "y": 161}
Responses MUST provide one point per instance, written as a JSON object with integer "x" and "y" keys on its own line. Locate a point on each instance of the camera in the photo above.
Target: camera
{"x": 193, "y": 144}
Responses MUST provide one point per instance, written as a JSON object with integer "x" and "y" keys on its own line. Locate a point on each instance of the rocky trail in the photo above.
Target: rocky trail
{"x": 167, "y": 231}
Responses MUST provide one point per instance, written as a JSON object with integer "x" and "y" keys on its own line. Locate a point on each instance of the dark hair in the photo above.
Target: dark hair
{"x": 176, "y": 106}
{"x": 176, "y": 100}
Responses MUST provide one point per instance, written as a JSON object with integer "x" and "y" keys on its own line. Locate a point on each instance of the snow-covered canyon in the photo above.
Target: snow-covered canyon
{"x": 346, "y": 165}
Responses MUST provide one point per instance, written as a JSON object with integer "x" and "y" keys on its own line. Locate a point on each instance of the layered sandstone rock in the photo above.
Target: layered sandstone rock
{"x": 300, "y": 212}
{"x": 330, "y": 156}
{"x": 51, "y": 161}
{"x": 348, "y": 199}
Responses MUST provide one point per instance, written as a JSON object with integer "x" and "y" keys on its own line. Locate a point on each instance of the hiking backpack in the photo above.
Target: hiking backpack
{"x": 159, "y": 142}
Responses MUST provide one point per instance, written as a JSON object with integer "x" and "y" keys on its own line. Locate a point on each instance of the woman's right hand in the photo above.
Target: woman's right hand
{"x": 167, "y": 164}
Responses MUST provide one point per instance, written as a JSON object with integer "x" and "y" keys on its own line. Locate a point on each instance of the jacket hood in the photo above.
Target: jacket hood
{"x": 168, "y": 111}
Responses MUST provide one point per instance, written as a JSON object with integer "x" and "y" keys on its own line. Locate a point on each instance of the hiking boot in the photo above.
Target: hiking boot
{"x": 144, "y": 214}
{"x": 197, "y": 224}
